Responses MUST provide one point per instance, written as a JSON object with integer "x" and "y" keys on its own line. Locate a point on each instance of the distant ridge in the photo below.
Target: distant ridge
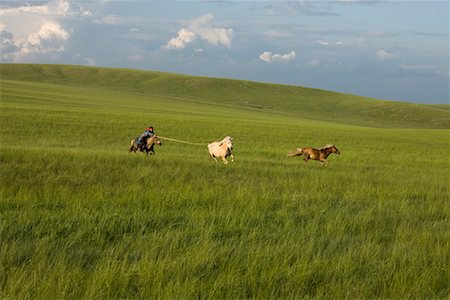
{"x": 275, "y": 98}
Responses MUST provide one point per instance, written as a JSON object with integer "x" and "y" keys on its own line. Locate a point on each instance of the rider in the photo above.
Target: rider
{"x": 148, "y": 133}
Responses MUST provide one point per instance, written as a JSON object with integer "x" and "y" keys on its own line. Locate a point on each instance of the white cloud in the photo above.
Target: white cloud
{"x": 55, "y": 8}
{"x": 384, "y": 55}
{"x": 268, "y": 56}
{"x": 217, "y": 36}
{"x": 201, "y": 27}
{"x": 36, "y": 29}
{"x": 48, "y": 31}
{"x": 202, "y": 21}
{"x": 184, "y": 37}
{"x": 46, "y": 39}
{"x": 86, "y": 13}
{"x": 63, "y": 7}
{"x": 34, "y": 9}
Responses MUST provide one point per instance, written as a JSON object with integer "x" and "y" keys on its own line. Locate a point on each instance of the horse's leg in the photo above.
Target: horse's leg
{"x": 232, "y": 157}
{"x": 305, "y": 159}
{"x": 324, "y": 162}
{"x": 225, "y": 161}
{"x": 152, "y": 150}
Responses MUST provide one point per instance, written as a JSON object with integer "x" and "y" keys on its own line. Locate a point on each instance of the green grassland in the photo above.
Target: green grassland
{"x": 80, "y": 217}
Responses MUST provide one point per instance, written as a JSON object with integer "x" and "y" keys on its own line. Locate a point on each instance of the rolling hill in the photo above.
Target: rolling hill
{"x": 82, "y": 218}
{"x": 273, "y": 98}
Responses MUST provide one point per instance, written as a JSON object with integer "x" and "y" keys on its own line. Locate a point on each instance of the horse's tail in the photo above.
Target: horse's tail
{"x": 133, "y": 146}
{"x": 295, "y": 152}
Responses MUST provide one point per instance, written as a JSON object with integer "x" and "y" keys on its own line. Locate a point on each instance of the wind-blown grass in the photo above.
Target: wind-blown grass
{"x": 82, "y": 218}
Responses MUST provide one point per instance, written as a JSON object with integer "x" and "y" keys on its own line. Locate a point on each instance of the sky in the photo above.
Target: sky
{"x": 391, "y": 50}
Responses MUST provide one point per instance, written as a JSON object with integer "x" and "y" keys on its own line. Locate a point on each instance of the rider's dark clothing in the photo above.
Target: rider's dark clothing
{"x": 148, "y": 133}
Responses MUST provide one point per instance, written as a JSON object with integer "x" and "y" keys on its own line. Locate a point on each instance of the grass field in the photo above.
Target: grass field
{"x": 80, "y": 217}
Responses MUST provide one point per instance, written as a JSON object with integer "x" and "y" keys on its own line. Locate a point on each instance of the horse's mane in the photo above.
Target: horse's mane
{"x": 153, "y": 137}
{"x": 326, "y": 147}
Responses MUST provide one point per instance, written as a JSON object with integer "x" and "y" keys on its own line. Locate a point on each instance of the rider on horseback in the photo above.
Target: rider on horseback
{"x": 142, "y": 140}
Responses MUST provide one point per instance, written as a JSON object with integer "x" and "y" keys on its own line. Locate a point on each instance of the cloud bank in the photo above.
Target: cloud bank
{"x": 42, "y": 33}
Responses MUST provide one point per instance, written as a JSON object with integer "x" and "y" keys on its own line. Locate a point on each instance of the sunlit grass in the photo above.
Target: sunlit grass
{"x": 80, "y": 217}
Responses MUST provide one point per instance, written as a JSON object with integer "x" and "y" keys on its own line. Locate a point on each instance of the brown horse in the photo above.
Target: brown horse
{"x": 148, "y": 147}
{"x": 315, "y": 154}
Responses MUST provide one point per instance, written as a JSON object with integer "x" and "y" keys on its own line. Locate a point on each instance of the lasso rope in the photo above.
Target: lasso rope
{"x": 180, "y": 141}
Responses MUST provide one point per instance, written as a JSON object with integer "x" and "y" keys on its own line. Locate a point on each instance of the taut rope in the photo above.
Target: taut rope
{"x": 180, "y": 141}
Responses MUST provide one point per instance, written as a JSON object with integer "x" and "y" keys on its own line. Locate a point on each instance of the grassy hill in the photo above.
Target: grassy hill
{"x": 272, "y": 98}
{"x": 80, "y": 217}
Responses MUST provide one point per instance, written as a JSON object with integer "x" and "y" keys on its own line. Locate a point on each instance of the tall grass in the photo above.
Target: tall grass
{"x": 82, "y": 218}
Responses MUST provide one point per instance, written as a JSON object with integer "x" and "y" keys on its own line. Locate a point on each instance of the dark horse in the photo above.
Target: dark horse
{"x": 315, "y": 154}
{"x": 148, "y": 147}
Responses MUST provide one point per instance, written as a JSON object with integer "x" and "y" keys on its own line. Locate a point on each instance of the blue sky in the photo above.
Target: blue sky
{"x": 393, "y": 50}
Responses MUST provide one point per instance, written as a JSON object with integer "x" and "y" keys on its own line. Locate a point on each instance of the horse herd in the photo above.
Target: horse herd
{"x": 223, "y": 149}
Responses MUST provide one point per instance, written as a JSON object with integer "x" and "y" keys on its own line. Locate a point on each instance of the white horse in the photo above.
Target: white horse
{"x": 222, "y": 149}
